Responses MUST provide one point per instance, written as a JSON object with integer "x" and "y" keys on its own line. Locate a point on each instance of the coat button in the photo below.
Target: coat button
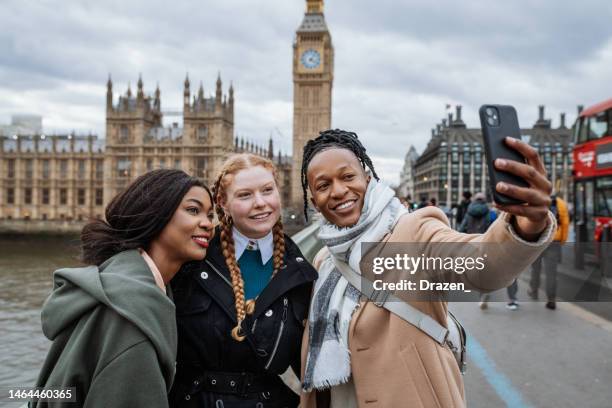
{"x": 269, "y": 313}
{"x": 187, "y": 397}
{"x": 196, "y": 382}
{"x": 299, "y": 259}
{"x": 232, "y": 383}
{"x": 204, "y": 275}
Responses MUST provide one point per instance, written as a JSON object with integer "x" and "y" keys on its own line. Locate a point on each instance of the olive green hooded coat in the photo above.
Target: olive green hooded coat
{"x": 114, "y": 335}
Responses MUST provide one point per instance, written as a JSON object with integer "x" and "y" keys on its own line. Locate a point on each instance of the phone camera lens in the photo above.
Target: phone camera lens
{"x": 491, "y": 121}
{"x": 490, "y": 112}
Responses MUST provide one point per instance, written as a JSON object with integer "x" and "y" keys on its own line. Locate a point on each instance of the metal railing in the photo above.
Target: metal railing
{"x": 307, "y": 241}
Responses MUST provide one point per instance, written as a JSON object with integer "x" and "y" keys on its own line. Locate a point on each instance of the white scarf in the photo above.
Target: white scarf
{"x": 334, "y": 299}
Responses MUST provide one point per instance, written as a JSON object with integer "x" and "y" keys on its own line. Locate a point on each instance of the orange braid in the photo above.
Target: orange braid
{"x": 279, "y": 246}
{"x": 227, "y": 244}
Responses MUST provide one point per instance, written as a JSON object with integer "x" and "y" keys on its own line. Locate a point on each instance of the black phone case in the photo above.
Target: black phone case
{"x": 495, "y": 147}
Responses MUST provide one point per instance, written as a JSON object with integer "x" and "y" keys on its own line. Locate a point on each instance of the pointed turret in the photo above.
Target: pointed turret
{"x": 157, "y": 102}
{"x": 109, "y": 93}
{"x": 186, "y": 93}
{"x": 270, "y": 149}
{"x": 201, "y": 93}
{"x": 140, "y": 91}
{"x": 129, "y": 90}
{"x": 231, "y": 99}
{"x": 218, "y": 95}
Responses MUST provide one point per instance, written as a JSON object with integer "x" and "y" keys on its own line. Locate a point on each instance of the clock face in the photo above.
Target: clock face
{"x": 310, "y": 58}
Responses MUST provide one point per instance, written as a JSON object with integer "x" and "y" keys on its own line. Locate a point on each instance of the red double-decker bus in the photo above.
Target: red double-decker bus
{"x": 593, "y": 172}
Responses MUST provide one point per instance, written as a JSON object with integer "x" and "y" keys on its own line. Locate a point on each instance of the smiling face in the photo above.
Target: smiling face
{"x": 253, "y": 201}
{"x": 337, "y": 183}
{"x": 186, "y": 236}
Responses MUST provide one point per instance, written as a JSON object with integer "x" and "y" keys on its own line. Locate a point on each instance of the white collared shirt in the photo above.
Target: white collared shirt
{"x": 265, "y": 245}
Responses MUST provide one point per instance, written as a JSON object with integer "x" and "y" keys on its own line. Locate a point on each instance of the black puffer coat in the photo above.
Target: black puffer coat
{"x": 213, "y": 369}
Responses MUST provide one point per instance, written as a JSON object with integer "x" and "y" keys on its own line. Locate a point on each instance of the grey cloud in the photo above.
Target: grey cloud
{"x": 397, "y": 62}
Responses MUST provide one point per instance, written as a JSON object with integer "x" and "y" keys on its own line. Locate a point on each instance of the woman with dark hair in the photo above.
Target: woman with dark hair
{"x": 241, "y": 311}
{"x": 357, "y": 352}
{"x": 112, "y": 323}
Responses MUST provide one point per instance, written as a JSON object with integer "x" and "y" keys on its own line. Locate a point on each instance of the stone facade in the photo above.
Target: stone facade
{"x": 454, "y": 159}
{"x": 73, "y": 177}
{"x": 58, "y": 177}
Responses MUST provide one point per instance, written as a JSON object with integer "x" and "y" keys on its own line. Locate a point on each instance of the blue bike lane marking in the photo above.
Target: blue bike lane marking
{"x": 501, "y": 384}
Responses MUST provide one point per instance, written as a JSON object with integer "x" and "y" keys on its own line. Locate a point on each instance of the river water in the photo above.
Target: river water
{"x": 26, "y": 271}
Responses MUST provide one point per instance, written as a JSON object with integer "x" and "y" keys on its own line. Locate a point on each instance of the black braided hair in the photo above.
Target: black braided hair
{"x": 332, "y": 138}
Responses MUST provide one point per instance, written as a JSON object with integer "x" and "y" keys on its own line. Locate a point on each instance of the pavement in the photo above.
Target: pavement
{"x": 536, "y": 357}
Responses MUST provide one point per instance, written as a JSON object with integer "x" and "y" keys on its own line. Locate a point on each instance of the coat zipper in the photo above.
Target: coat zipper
{"x": 280, "y": 333}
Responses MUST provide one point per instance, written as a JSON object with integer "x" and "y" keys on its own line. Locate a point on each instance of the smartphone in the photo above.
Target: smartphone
{"x": 498, "y": 122}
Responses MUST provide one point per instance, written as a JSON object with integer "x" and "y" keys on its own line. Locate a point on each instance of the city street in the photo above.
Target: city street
{"x": 535, "y": 357}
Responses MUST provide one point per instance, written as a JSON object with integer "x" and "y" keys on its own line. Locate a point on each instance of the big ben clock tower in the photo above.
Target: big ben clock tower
{"x": 313, "y": 75}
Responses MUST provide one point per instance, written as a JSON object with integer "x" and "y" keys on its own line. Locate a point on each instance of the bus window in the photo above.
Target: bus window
{"x": 603, "y": 201}
{"x": 598, "y": 125}
{"x": 582, "y": 130}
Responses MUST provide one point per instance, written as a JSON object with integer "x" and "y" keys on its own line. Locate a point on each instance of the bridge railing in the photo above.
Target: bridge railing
{"x": 307, "y": 241}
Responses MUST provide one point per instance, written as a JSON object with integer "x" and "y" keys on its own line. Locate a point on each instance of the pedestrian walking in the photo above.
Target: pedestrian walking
{"x": 463, "y": 206}
{"x": 551, "y": 256}
{"x": 476, "y": 219}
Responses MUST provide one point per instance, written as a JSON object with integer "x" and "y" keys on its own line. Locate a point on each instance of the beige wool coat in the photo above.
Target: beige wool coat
{"x": 393, "y": 363}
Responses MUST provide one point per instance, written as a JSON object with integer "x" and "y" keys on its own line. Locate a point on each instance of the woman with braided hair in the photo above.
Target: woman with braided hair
{"x": 362, "y": 353}
{"x": 241, "y": 311}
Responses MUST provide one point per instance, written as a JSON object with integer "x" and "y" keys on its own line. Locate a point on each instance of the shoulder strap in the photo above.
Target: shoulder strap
{"x": 386, "y": 299}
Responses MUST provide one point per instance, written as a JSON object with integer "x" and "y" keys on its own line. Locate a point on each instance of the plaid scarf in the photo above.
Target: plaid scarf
{"x": 334, "y": 299}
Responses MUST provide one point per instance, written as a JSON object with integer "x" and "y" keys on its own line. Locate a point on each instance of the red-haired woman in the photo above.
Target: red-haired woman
{"x": 241, "y": 311}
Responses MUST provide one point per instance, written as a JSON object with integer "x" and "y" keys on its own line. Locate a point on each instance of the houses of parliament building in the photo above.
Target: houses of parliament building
{"x": 73, "y": 177}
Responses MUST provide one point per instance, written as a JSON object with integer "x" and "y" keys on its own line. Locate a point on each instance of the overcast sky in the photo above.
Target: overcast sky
{"x": 397, "y": 63}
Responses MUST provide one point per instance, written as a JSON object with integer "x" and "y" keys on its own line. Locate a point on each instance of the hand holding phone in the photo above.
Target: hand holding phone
{"x": 499, "y": 122}
{"x": 516, "y": 172}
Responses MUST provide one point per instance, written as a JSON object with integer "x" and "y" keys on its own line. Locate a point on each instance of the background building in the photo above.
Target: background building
{"x": 73, "y": 177}
{"x": 406, "y": 183}
{"x": 22, "y": 125}
{"x": 51, "y": 177}
{"x": 454, "y": 160}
